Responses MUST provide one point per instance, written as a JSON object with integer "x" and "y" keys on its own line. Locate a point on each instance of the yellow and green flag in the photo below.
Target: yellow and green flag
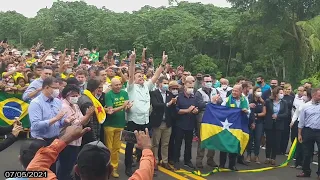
{"x": 11, "y": 106}
{"x": 94, "y": 56}
{"x": 224, "y": 129}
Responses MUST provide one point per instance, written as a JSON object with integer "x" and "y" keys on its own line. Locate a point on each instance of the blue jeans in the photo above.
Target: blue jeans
{"x": 66, "y": 161}
{"x": 255, "y": 139}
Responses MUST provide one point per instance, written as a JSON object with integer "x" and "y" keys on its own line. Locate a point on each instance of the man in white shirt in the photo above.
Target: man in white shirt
{"x": 224, "y": 89}
{"x": 298, "y": 100}
{"x": 138, "y": 115}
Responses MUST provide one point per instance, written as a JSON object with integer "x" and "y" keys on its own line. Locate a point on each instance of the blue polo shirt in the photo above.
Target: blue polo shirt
{"x": 264, "y": 88}
{"x": 185, "y": 121}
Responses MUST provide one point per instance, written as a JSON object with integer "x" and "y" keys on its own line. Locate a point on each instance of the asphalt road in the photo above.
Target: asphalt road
{"x": 9, "y": 161}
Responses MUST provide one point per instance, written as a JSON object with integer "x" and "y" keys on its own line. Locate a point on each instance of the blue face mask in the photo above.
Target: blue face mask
{"x": 165, "y": 87}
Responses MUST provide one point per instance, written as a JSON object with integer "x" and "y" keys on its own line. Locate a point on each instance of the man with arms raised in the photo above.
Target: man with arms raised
{"x": 138, "y": 116}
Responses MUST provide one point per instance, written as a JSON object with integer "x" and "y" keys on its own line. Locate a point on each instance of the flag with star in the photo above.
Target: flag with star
{"x": 224, "y": 129}
{"x": 12, "y": 106}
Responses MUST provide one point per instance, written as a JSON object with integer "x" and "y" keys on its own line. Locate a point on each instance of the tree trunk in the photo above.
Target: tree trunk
{"x": 283, "y": 70}
{"x": 274, "y": 67}
{"x": 229, "y": 60}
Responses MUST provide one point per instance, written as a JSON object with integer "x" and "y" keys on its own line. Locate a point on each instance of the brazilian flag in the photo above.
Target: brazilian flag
{"x": 94, "y": 56}
{"x": 11, "y": 106}
{"x": 224, "y": 129}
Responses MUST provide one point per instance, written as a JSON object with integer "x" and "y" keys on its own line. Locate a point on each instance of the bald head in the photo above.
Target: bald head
{"x": 237, "y": 91}
{"x": 190, "y": 79}
{"x": 116, "y": 85}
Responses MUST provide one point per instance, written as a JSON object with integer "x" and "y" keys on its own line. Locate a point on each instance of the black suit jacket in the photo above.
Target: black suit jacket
{"x": 281, "y": 117}
{"x": 159, "y": 108}
{"x": 10, "y": 137}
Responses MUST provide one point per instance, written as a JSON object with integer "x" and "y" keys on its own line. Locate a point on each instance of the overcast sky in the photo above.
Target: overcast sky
{"x": 30, "y": 8}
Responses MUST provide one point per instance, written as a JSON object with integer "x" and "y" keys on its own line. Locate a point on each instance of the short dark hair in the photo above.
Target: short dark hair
{"x": 99, "y": 70}
{"x": 39, "y": 67}
{"x": 160, "y": 80}
{"x": 28, "y": 150}
{"x": 240, "y": 78}
{"x": 260, "y": 76}
{"x": 48, "y": 67}
{"x": 49, "y": 81}
{"x": 204, "y": 76}
{"x": 245, "y": 85}
{"x": 93, "y": 84}
{"x": 70, "y": 88}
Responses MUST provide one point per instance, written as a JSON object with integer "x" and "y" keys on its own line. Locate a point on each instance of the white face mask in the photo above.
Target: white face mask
{"x": 281, "y": 96}
{"x": 175, "y": 92}
{"x": 69, "y": 70}
{"x": 10, "y": 84}
{"x": 190, "y": 91}
{"x": 224, "y": 87}
{"x": 73, "y": 100}
{"x": 55, "y": 93}
{"x": 258, "y": 94}
{"x": 12, "y": 69}
{"x": 305, "y": 98}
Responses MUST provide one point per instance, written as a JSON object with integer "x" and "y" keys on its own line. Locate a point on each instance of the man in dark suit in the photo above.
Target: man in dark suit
{"x": 162, "y": 102}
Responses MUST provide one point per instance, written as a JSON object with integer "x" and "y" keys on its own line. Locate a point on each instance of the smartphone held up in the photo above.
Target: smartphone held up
{"x": 128, "y": 136}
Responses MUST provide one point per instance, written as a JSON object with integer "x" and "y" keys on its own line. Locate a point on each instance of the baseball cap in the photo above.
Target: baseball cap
{"x": 29, "y": 148}
{"x": 94, "y": 158}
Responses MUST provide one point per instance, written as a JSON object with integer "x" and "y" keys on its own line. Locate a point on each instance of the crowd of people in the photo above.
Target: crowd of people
{"x": 78, "y": 107}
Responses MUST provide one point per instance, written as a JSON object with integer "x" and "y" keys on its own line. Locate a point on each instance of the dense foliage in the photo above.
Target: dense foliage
{"x": 270, "y": 37}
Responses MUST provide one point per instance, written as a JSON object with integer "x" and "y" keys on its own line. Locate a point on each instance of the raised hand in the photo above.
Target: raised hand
{"x": 16, "y": 130}
{"x": 74, "y": 132}
{"x": 143, "y": 139}
{"x": 133, "y": 54}
{"x": 164, "y": 58}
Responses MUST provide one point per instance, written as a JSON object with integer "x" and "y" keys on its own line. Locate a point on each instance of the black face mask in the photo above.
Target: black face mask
{"x": 199, "y": 78}
{"x": 259, "y": 82}
{"x": 273, "y": 86}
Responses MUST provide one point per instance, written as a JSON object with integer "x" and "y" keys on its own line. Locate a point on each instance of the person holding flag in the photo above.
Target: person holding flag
{"x": 235, "y": 100}
{"x": 85, "y": 102}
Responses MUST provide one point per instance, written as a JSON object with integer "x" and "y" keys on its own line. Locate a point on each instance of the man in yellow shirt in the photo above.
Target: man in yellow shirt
{"x": 14, "y": 72}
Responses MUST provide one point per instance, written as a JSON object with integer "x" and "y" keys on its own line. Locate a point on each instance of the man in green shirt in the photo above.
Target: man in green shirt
{"x": 117, "y": 101}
